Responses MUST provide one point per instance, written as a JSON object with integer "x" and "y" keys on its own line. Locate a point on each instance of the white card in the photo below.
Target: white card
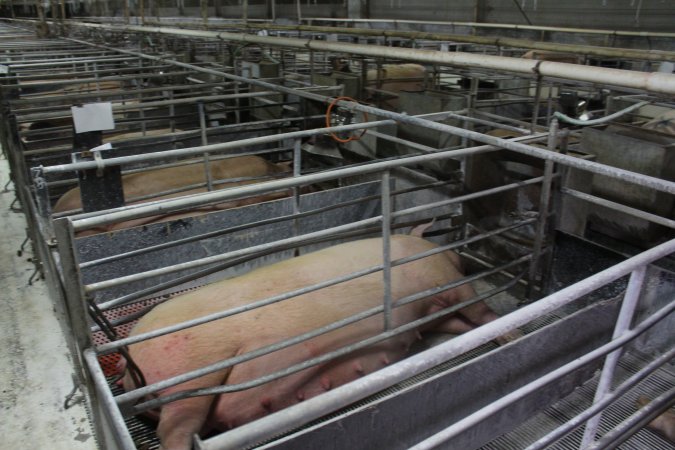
{"x": 93, "y": 117}
{"x": 4, "y": 68}
{"x": 107, "y": 146}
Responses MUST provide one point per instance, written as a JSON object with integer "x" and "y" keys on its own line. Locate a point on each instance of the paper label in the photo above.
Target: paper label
{"x": 93, "y": 117}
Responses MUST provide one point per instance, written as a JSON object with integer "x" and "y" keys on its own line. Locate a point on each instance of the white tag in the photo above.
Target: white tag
{"x": 445, "y": 47}
{"x": 4, "y": 68}
{"x": 107, "y": 146}
{"x": 93, "y": 117}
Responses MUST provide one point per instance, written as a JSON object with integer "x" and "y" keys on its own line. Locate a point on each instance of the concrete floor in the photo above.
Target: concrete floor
{"x": 35, "y": 365}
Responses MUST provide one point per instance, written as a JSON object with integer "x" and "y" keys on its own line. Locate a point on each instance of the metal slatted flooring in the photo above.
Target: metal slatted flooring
{"x": 562, "y": 411}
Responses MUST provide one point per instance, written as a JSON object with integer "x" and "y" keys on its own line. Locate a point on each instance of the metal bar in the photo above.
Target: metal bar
{"x": 655, "y": 82}
{"x": 619, "y": 207}
{"x": 139, "y": 393}
{"x": 385, "y": 189}
{"x": 544, "y": 200}
{"x": 638, "y": 420}
{"x": 493, "y": 25}
{"x": 101, "y": 285}
{"x": 482, "y": 414}
{"x": 342, "y": 396}
{"x": 642, "y": 180}
{"x": 104, "y": 395}
{"x": 639, "y": 179}
{"x": 237, "y": 228}
{"x": 623, "y": 323}
{"x": 621, "y": 390}
{"x": 112, "y": 346}
{"x": 205, "y": 142}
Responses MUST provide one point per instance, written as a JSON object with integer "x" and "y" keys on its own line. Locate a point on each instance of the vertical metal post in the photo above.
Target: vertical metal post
{"x": 126, "y": 11}
{"x": 537, "y": 102}
{"x": 623, "y": 323}
{"x": 549, "y": 103}
{"x": 274, "y": 9}
{"x": 141, "y": 6}
{"x": 98, "y": 81}
{"x": 544, "y": 199}
{"x": 204, "y": 5}
{"x": 172, "y": 113}
{"x": 299, "y": 11}
{"x": 297, "y": 169}
{"x": 207, "y": 162}
{"x": 386, "y": 247}
{"x": 244, "y": 12}
{"x": 311, "y": 66}
{"x": 63, "y": 15}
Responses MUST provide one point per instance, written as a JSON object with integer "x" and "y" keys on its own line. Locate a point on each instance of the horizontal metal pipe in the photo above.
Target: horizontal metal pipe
{"x": 55, "y": 62}
{"x": 140, "y": 393}
{"x": 482, "y": 414}
{"x": 214, "y": 148}
{"x": 410, "y": 326}
{"x": 616, "y": 393}
{"x": 298, "y": 415}
{"x": 201, "y": 199}
{"x": 107, "y": 284}
{"x": 663, "y": 83}
{"x": 228, "y": 230}
{"x": 670, "y": 223}
{"x": 501, "y": 41}
{"x": 230, "y": 263}
{"x": 613, "y": 438}
{"x": 643, "y": 180}
{"x": 495, "y": 25}
{"x": 112, "y": 346}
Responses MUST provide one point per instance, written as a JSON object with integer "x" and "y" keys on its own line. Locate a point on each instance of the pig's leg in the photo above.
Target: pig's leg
{"x": 469, "y": 317}
{"x": 180, "y": 421}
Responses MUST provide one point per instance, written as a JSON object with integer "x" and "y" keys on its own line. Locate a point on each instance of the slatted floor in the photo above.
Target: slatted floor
{"x": 582, "y": 398}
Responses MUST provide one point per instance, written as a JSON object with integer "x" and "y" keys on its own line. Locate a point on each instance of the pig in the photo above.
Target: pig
{"x": 189, "y": 349}
{"x": 158, "y": 180}
{"x": 663, "y": 424}
{"x": 396, "y": 78}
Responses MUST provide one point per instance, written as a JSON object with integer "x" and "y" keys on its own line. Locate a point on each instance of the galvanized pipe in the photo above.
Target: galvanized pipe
{"x": 663, "y": 83}
{"x": 484, "y": 413}
{"x": 107, "y": 284}
{"x": 198, "y": 200}
{"x": 107, "y": 400}
{"x": 639, "y": 179}
{"x": 501, "y": 41}
{"x": 623, "y": 322}
{"x": 625, "y": 429}
{"x": 616, "y": 394}
{"x": 211, "y": 234}
{"x": 298, "y": 415}
{"x": 112, "y": 346}
{"x": 670, "y": 223}
{"x": 125, "y": 399}
{"x": 507, "y": 26}
{"x": 385, "y": 189}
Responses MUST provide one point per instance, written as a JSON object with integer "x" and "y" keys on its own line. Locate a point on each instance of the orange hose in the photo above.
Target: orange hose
{"x": 328, "y": 124}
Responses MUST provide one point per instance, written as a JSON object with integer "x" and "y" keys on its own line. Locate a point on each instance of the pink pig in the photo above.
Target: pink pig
{"x": 179, "y": 352}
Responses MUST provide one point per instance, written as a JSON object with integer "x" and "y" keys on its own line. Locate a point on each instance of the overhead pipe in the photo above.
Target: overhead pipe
{"x": 655, "y": 82}
{"x": 609, "y": 52}
{"x": 505, "y": 26}
{"x": 640, "y": 54}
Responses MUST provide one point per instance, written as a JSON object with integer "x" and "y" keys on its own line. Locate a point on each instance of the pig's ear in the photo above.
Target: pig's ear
{"x": 420, "y": 229}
